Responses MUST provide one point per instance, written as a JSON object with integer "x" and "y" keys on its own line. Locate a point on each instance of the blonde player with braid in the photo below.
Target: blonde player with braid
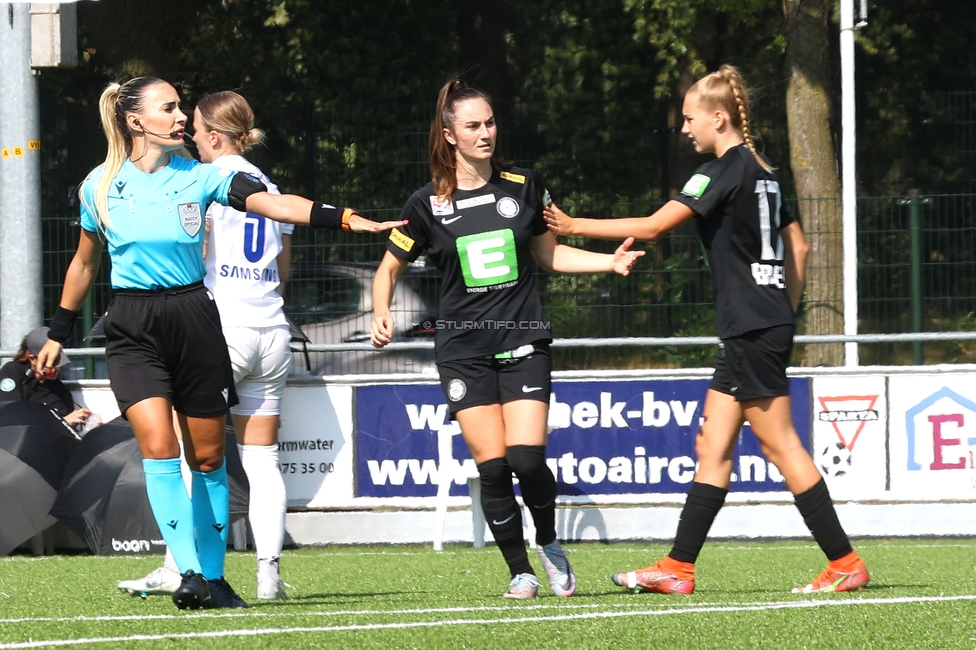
{"x": 758, "y": 254}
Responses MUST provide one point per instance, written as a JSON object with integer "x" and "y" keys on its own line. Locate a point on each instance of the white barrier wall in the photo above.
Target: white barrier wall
{"x": 316, "y": 451}
{"x": 850, "y": 435}
{"x": 932, "y": 438}
{"x": 904, "y": 437}
{"x": 910, "y": 437}
{"x": 888, "y": 442}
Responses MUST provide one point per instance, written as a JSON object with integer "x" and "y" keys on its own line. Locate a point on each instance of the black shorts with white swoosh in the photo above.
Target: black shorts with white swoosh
{"x": 753, "y": 365}
{"x": 487, "y": 380}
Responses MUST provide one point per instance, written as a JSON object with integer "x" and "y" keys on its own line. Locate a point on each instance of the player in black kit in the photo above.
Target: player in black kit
{"x": 758, "y": 254}
{"x": 481, "y": 225}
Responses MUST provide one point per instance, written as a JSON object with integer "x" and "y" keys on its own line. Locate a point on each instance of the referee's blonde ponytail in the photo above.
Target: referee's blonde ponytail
{"x": 116, "y": 102}
{"x": 725, "y": 89}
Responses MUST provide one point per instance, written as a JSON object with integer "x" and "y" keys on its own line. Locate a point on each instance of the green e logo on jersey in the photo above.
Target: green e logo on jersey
{"x": 488, "y": 258}
{"x": 696, "y": 185}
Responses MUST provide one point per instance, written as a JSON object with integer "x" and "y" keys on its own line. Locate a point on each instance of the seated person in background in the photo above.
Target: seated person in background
{"x": 19, "y": 382}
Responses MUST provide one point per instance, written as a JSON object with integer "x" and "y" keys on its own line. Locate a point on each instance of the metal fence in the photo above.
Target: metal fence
{"x": 916, "y": 272}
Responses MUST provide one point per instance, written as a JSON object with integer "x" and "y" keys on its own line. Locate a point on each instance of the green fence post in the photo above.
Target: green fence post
{"x": 914, "y": 199}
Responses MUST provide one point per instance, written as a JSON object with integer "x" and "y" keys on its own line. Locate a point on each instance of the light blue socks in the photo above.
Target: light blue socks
{"x": 211, "y": 518}
{"x": 173, "y": 511}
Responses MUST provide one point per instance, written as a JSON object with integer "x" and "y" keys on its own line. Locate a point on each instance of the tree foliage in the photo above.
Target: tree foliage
{"x": 588, "y": 93}
{"x": 912, "y": 53}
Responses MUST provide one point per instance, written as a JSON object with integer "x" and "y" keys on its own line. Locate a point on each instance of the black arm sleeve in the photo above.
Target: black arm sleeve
{"x": 243, "y": 186}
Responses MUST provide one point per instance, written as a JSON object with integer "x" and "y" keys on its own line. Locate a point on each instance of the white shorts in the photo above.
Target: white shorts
{"x": 260, "y": 358}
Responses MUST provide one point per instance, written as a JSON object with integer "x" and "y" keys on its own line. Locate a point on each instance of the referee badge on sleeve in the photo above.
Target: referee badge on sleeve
{"x": 191, "y": 218}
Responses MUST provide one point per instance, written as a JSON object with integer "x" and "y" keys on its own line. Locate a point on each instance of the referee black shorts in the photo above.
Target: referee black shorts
{"x": 489, "y": 380}
{"x": 168, "y": 343}
{"x": 754, "y": 365}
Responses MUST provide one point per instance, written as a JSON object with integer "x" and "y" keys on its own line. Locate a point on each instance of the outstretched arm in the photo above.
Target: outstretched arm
{"x": 671, "y": 215}
{"x": 553, "y": 256}
{"x": 291, "y": 208}
{"x": 384, "y": 282}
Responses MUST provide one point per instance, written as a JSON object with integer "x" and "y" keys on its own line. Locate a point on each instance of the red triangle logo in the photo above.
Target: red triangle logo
{"x": 848, "y": 414}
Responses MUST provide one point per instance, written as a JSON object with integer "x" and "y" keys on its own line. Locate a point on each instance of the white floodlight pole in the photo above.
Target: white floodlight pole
{"x": 849, "y": 175}
{"x": 21, "y": 295}
{"x": 39, "y": 35}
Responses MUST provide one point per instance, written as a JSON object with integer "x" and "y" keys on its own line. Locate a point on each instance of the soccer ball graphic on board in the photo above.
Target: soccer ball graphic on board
{"x": 835, "y": 459}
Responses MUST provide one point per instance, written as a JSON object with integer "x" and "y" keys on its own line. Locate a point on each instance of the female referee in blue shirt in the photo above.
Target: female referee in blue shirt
{"x": 164, "y": 346}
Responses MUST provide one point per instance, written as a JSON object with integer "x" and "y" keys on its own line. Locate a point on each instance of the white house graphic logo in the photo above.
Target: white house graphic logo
{"x": 949, "y": 428}
{"x": 848, "y": 415}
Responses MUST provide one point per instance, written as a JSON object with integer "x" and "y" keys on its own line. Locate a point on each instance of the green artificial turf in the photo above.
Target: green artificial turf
{"x": 922, "y": 595}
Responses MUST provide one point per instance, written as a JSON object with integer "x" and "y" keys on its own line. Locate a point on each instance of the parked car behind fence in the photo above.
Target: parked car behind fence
{"x": 333, "y": 303}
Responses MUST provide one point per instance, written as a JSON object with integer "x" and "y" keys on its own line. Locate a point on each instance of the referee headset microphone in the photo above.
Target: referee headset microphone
{"x": 172, "y": 135}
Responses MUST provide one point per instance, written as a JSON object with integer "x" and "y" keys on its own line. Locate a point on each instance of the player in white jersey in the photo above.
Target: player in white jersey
{"x": 247, "y": 257}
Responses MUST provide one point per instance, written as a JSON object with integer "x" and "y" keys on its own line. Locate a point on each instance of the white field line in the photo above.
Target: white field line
{"x": 578, "y": 616}
{"x": 333, "y": 613}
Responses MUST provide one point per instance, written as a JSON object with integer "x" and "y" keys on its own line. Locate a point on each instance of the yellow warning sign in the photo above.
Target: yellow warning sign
{"x": 34, "y": 145}
{"x": 19, "y": 152}
{"x": 6, "y": 153}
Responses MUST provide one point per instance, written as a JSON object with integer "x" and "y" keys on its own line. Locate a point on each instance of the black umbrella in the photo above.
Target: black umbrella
{"x": 35, "y": 444}
{"x": 103, "y": 494}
